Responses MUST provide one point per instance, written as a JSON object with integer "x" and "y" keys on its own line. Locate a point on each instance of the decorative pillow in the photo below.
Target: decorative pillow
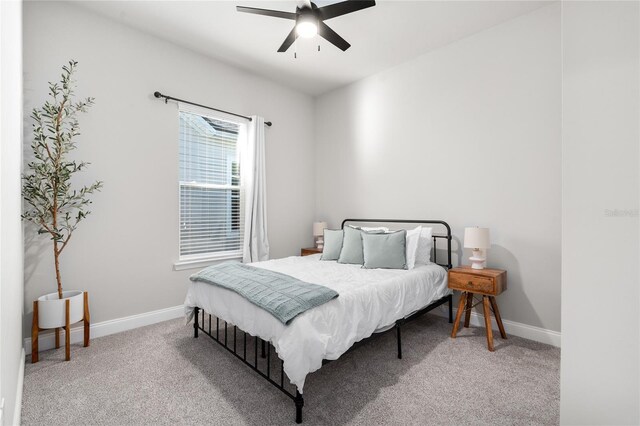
{"x": 425, "y": 244}
{"x": 385, "y": 250}
{"x": 413, "y": 236}
{"x": 351, "y": 247}
{"x": 332, "y": 244}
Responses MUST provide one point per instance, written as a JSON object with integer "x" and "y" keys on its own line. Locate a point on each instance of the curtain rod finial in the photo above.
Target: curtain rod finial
{"x": 157, "y": 94}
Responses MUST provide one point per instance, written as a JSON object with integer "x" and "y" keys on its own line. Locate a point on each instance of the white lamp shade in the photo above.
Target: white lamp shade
{"x": 476, "y": 238}
{"x": 318, "y": 228}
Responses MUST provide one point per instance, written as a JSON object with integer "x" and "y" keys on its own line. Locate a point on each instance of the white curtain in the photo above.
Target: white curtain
{"x": 256, "y": 243}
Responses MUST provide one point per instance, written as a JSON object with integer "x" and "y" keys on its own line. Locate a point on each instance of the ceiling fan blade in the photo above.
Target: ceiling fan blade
{"x": 289, "y": 40}
{"x": 342, "y": 8}
{"x": 267, "y": 12}
{"x": 332, "y": 37}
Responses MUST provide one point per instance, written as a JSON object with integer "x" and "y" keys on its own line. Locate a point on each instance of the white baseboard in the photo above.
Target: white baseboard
{"x": 530, "y": 332}
{"x": 17, "y": 410}
{"x": 105, "y": 328}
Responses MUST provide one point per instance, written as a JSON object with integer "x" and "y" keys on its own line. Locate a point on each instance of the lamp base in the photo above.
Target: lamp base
{"x": 319, "y": 242}
{"x": 477, "y": 260}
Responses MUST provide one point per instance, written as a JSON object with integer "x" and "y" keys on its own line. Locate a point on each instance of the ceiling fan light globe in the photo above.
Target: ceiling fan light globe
{"x": 306, "y": 29}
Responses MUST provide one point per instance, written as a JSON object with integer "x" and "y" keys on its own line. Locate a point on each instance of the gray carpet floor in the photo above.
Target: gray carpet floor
{"x": 160, "y": 375}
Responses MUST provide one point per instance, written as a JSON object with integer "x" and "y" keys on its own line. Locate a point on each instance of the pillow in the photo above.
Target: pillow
{"x": 351, "y": 247}
{"x": 370, "y": 229}
{"x": 425, "y": 244}
{"x": 413, "y": 237}
{"x": 332, "y": 244}
{"x": 385, "y": 250}
{"x": 373, "y": 230}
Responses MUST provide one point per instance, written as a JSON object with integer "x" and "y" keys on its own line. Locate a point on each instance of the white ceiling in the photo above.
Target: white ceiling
{"x": 382, "y": 36}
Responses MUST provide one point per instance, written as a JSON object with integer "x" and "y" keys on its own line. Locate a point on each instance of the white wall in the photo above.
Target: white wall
{"x": 600, "y": 254}
{"x": 11, "y": 269}
{"x": 470, "y": 134}
{"x": 124, "y": 252}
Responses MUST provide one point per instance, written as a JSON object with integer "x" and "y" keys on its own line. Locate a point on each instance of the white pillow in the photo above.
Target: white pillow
{"x": 374, "y": 230}
{"x": 413, "y": 237}
{"x": 425, "y": 244}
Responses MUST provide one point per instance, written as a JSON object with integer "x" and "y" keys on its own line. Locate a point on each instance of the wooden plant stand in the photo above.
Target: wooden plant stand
{"x": 67, "y": 330}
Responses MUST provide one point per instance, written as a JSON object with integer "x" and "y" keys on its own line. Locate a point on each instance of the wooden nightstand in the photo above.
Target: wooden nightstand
{"x": 487, "y": 283}
{"x": 310, "y": 251}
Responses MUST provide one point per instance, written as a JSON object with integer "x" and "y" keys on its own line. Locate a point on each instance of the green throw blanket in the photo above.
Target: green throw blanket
{"x": 283, "y": 296}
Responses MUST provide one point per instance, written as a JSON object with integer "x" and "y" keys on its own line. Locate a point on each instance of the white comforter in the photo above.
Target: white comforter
{"x": 369, "y": 300}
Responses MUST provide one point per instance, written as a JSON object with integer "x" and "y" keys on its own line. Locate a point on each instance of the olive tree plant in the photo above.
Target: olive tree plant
{"x": 52, "y": 203}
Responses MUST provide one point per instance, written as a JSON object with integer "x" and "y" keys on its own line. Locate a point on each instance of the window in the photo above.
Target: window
{"x": 211, "y": 207}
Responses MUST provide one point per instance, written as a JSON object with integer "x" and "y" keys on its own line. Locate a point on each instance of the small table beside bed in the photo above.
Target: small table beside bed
{"x": 368, "y": 301}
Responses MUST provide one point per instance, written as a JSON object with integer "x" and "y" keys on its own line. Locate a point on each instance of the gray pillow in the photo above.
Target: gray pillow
{"x": 351, "y": 247}
{"x": 385, "y": 250}
{"x": 332, "y": 244}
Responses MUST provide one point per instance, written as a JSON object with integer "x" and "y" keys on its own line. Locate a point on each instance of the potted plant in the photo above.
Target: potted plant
{"x": 53, "y": 204}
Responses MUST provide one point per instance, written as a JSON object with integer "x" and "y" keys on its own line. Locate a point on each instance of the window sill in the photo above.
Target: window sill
{"x": 183, "y": 265}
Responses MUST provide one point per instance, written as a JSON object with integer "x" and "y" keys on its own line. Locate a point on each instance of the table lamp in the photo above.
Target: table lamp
{"x": 318, "y": 233}
{"x": 478, "y": 240}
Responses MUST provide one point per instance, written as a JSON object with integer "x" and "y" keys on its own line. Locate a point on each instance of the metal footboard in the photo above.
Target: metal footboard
{"x": 203, "y": 323}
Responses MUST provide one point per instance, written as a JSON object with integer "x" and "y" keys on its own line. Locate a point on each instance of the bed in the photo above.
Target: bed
{"x": 370, "y": 301}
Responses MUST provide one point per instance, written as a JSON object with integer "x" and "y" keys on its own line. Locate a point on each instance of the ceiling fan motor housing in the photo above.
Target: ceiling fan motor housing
{"x": 306, "y": 22}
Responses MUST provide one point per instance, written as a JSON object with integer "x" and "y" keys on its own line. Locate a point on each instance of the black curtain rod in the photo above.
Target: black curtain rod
{"x": 171, "y": 98}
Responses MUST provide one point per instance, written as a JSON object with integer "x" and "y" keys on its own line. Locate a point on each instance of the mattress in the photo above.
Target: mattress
{"x": 369, "y": 300}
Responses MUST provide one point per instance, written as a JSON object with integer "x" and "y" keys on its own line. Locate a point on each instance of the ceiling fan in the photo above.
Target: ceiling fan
{"x": 310, "y": 20}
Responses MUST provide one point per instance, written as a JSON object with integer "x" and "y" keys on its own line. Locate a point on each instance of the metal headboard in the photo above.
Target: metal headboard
{"x": 448, "y": 265}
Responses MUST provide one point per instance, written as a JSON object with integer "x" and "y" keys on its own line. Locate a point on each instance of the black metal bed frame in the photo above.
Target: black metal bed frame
{"x": 265, "y": 350}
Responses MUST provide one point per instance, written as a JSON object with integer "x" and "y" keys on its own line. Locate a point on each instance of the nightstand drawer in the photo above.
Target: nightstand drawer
{"x": 475, "y": 283}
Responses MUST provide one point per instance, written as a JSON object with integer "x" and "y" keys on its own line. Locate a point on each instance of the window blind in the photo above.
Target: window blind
{"x": 211, "y": 202}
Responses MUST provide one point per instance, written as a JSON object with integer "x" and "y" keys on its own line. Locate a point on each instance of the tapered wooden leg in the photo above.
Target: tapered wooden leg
{"x": 34, "y": 334}
{"x": 67, "y": 332}
{"x": 487, "y": 322}
{"x": 57, "y": 337}
{"x": 467, "y": 311}
{"x": 496, "y": 312}
{"x": 456, "y": 323}
{"x": 87, "y": 320}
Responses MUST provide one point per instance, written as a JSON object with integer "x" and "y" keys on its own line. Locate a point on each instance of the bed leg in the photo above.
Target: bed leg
{"x": 263, "y": 354}
{"x": 299, "y": 401}
{"x": 195, "y": 322}
{"x": 399, "y": 338}
{"x": 450, "y": 309}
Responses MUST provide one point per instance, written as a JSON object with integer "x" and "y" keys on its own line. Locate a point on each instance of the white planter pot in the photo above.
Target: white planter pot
{"x": 51, "y": 309}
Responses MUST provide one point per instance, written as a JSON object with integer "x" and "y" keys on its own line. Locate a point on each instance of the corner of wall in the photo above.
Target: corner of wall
{"x": 11, "y": 244}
